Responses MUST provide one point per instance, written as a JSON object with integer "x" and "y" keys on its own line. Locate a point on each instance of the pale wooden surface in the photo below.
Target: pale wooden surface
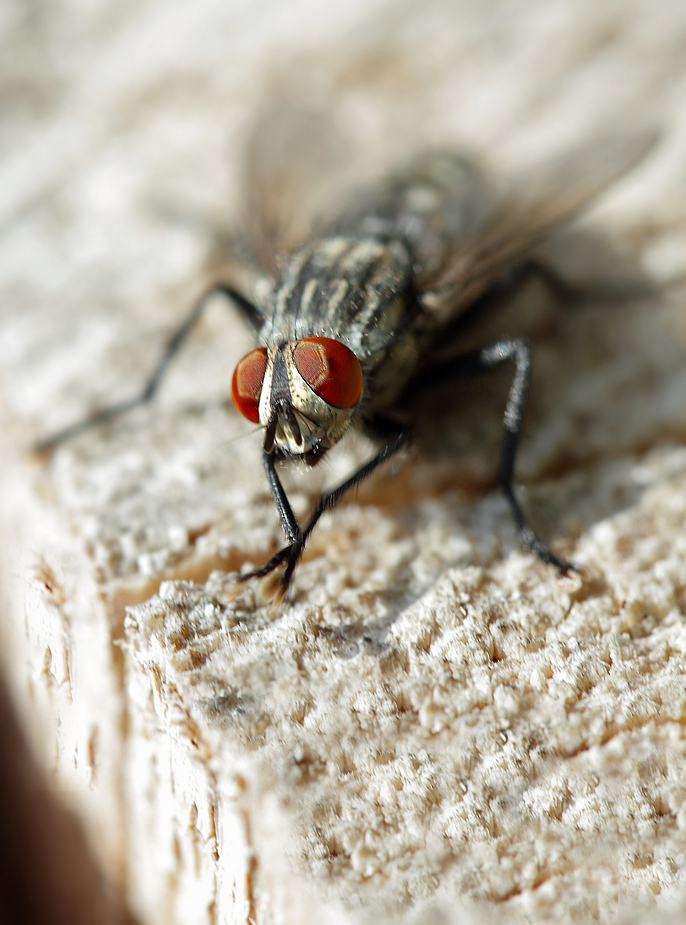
{"x": 435, "y": 719}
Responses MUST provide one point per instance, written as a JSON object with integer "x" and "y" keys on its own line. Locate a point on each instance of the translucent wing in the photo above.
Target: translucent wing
{"x": 295, "y": 169}
{"x": 437, "y": 203}
{"x": 546, "y": 197}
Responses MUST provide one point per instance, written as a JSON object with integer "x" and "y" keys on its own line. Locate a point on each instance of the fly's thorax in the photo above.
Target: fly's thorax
{"x": 304, "y": 393}
{"x": 351, "y": 287}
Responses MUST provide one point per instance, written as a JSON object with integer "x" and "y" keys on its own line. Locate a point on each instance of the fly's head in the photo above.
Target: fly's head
{"x": 303, "y": 393}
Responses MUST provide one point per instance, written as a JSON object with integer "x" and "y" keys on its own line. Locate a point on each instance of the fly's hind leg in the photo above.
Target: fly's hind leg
{"x": 147, "y": 393}
{"x": 516, "y": 351}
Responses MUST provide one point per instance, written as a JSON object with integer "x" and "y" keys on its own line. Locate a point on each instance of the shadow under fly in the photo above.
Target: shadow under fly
{"x": 356, "y": 315}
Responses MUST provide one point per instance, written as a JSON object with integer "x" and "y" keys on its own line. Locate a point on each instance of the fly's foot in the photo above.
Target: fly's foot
{"x": 234, "y": 591}
{"x": 272, "y": 590}
{"x": 275, "y": 583}
{"x": 275, "y": 576}
{"x": 570, "y": 570}
{"x": 545, "y": 554}
{"x": 564, "y": 568}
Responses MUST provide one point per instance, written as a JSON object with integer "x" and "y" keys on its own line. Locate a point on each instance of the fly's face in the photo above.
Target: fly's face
{"x": 303, "y": 393}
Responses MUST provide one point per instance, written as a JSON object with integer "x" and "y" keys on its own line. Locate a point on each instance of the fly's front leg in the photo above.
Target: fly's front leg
{"x": 297, "y": 537}
{"x": 516, "y": 351}
{"x": 150, "y": 388}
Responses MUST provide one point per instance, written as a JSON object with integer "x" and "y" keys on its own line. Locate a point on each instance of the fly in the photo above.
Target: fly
{"x": 355, "y": 323}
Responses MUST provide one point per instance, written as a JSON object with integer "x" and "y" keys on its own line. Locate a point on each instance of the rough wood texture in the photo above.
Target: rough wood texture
{"x": 435, "y": 728}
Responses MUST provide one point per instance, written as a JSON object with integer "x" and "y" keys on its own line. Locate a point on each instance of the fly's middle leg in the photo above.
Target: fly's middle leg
{"x": 147, "y": 393}
{"x": 516, "y": 351}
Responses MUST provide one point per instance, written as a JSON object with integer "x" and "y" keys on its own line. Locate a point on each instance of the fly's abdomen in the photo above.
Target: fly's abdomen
{"x": 432, "y": 203}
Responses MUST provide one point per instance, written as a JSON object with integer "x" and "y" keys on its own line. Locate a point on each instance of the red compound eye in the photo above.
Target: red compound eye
{"x": 330, "y": 369}
{"x": 246, "y": 386}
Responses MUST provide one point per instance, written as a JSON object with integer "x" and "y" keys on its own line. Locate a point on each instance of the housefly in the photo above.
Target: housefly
{"x": 355, "y": 321}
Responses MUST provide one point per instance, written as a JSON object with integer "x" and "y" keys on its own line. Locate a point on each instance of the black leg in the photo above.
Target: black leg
{"x": 150, "y": 388}
{"x": 288, "y": 520}
{"x": 471, "y": 364}
{"x": 296, "y": 536}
